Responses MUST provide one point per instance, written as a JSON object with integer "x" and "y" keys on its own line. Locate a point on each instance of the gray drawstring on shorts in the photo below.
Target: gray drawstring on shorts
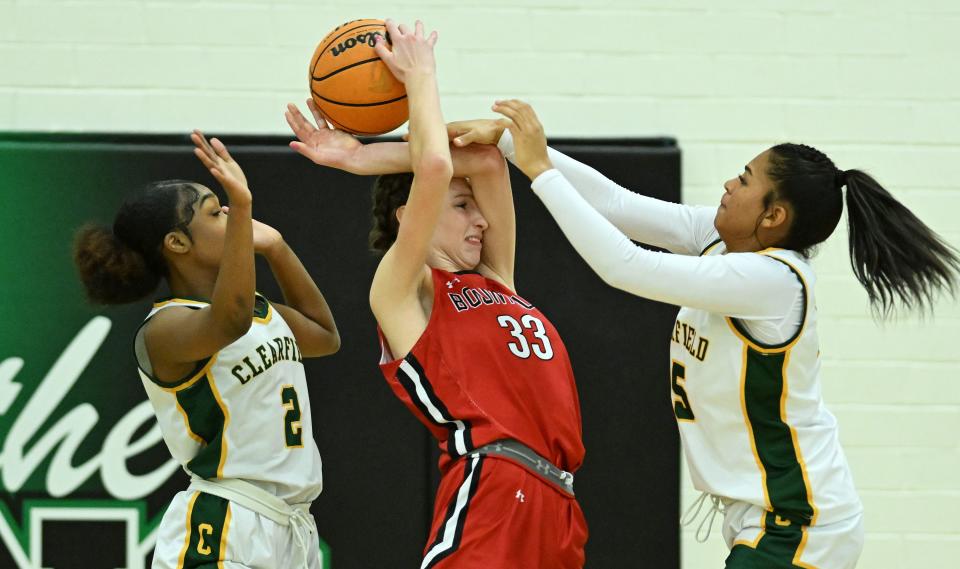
{"x": 716, "y": 507}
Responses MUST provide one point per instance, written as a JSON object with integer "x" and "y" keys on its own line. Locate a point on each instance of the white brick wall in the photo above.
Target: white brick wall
{"x": 871, "y": 82}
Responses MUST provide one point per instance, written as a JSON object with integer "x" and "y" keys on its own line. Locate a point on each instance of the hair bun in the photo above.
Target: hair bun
{"x": 111, "y": 272}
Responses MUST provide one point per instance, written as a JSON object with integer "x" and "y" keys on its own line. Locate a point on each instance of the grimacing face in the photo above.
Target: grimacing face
{"x": 458, "y": 238}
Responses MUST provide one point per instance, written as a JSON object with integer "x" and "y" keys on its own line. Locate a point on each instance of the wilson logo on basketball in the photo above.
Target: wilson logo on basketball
{"x": 352, "y": 85}
{"x": 368, "y": 38}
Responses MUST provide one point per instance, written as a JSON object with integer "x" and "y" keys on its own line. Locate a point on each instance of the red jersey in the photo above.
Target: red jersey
{"x": 489, "y": 366}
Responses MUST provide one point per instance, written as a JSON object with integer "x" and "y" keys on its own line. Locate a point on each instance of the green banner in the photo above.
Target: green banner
{"x": 80, "y": 449}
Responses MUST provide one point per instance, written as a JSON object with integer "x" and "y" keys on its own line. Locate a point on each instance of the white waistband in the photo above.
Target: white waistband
{"x": 297, "y": 516}
{"x": 250, "y": 497}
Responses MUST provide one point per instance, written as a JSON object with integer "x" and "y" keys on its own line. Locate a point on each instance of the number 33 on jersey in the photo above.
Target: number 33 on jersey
{"x": 489, "y": 366}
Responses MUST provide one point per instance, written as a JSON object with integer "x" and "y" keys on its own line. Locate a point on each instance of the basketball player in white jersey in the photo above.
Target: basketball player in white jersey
{"x": 745, "y": 370}
{"x": 221, "y": 366}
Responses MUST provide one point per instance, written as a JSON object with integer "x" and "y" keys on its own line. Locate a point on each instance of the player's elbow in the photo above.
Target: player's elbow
{"x": 609, "y": 275}
{"x": 320, "y": 345}
{"x": 434, "y": 167}
{"x": 617, "y": 272}
{"x": 235, "y": 322}
{"x": 332, "y": 343}
{"x": 239, "y": 325}
{"x": 488, "y": 158}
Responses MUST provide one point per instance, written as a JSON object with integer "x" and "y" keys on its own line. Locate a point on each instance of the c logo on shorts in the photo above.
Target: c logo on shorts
{"x": 204, "y": 530}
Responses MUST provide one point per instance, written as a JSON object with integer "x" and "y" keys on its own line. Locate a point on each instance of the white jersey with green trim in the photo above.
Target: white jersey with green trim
{"x": 746, "y": 362}
{"x": 243, "y": 413}
{"x": 751, "y": 415}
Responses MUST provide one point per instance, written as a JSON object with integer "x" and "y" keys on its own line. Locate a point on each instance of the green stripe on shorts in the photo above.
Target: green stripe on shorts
{"x": 775, "y": 550}
{"x": 209, "y": 525}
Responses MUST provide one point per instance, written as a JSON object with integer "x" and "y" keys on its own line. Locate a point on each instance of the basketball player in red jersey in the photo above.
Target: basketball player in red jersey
{"x": 474, "y": 361}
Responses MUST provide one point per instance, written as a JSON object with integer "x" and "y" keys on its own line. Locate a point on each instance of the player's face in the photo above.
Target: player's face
{"x": 458, "y": 237}
{"x": 207, "y": 228}
{"x": 741, "y": 206}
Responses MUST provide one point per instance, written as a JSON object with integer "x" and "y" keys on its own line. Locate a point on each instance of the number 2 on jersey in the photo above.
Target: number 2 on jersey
{"x": 522, "y": 348}
{"x": 291, "y": 419}
{"x": 681, "y": 404}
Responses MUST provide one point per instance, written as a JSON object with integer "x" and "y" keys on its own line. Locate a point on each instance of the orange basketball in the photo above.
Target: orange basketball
{"x": 352, "y": 86}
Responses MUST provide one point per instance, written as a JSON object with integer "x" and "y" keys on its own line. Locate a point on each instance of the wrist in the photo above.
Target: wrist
{"x": 419, "y": 80}
{"x": 505, "y": 143}
{"x": 534, "y": 170}
{"x": 498, "y": 134}
{"x": 421, "y": 72}
{"x": 242, "y": 204}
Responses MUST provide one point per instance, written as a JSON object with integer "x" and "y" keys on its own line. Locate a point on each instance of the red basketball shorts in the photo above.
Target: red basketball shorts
{"x": 493, "y": 514}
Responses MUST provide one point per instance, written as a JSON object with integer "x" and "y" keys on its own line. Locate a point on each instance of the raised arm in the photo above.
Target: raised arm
{"x": 305, "y": 309}
{"x": 490, "y": 179}
{"x": 394, "y": 294}
{"x": 481, "y": 164}
{"x": 741, "y": 285}
{"x": 177, "y": 338}
{"x": 679, "y": 228}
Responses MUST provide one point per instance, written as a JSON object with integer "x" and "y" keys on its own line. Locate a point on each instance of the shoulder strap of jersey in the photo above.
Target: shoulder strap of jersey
{"x": 143, "y": 358}
{"x": 798, "y": 267}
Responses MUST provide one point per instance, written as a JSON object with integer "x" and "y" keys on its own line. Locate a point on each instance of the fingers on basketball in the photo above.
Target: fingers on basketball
{"x": 318, "y": 116}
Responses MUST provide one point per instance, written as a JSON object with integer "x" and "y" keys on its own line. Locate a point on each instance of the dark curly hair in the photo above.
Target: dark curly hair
{"x": 390, "y": 191}
{"x": 126, "y": 263}
{"x": 894, "y": 255}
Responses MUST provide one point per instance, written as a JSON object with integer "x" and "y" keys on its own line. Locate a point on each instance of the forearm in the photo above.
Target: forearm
{"x": 490, "y": 181}
{"x": 742, "y": 287}
{"x": 678, "y": 228}
{"x": 232, "y": 300}
{"x": 428, "y": 135}
{"x": 660, "y": 223}
{"x": 379, "y": 158}
{"x": 300, "y": 292}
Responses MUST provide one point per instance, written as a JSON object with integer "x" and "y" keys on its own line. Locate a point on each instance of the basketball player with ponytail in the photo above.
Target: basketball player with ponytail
{"x": 745, "y": 372}
{"x": 221, "y": 365}
{"x": 480, "y": 366}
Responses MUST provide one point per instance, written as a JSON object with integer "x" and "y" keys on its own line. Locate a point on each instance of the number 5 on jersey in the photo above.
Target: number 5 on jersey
{"x": 681, "y": 404}
{"x": 522, "y": 348}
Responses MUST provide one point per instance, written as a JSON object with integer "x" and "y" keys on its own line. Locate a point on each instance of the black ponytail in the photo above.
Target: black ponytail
{"x": 126, "y": 263}
{"x": 894, "y": 255}
{"x": 898, "y": 259}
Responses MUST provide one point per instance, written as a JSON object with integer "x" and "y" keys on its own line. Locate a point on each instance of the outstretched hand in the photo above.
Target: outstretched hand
{"x": 529, "y": 141}
{"x": 322, "y": 144}
{"x": 222, "y": 166}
